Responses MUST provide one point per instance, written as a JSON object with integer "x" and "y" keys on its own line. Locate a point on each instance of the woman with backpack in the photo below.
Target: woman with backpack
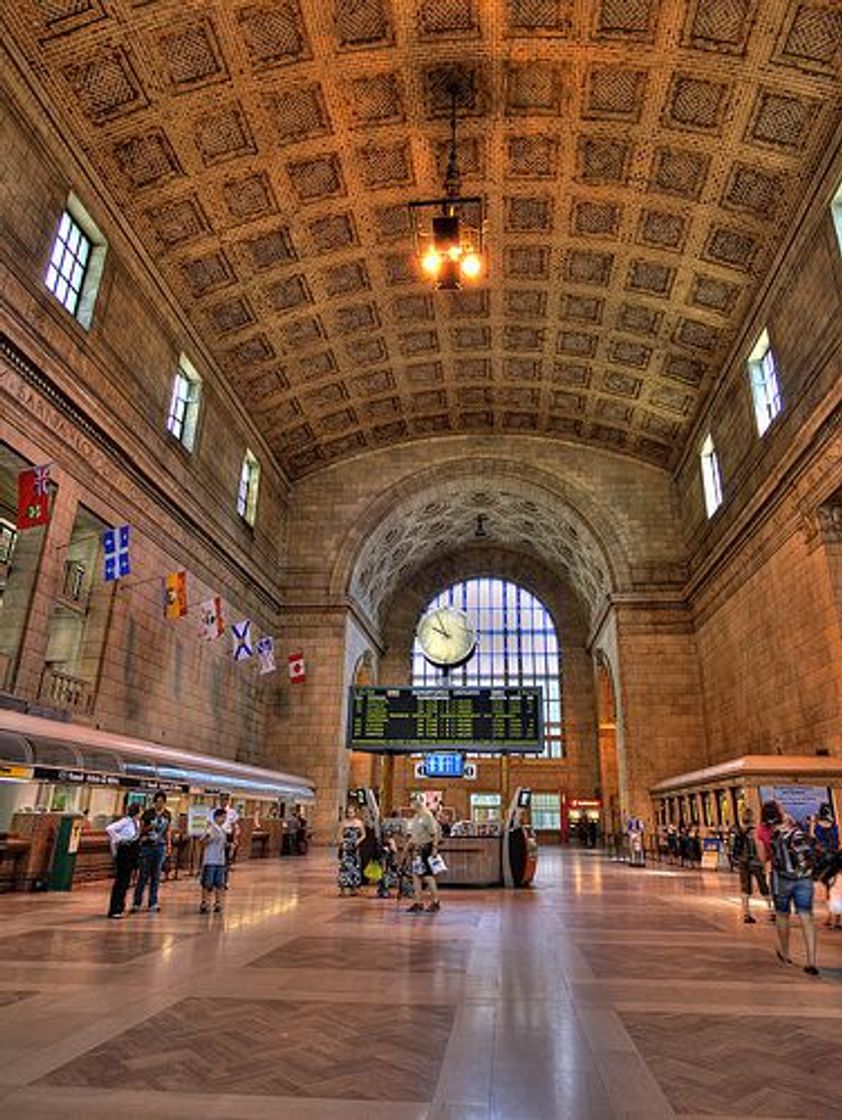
{"x": 793, "y": 860}
{"x": 749, "y": 857}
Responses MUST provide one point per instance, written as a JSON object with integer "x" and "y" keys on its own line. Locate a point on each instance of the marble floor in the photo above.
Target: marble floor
{"x": 603, "y": 992}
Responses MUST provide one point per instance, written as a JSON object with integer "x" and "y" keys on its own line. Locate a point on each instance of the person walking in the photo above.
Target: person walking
{"x": 350, "y": 831}
{"x": 749, "y": 858}
{"x": 123, "y": 837}
{"x": 793, "y": 859}
{"x": 423, "y": 839}
{"x": 155, "y": 840}
{"x": 825, "y": 833}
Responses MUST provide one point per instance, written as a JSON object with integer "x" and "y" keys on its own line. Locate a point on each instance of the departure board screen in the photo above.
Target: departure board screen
{"x": 402, "y": 720}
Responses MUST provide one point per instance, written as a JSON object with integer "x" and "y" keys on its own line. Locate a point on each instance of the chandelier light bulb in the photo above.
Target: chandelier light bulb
{"x": 471, "y": 265}
{"x": 431, "y": 262}
{"x": 454, "y": 252}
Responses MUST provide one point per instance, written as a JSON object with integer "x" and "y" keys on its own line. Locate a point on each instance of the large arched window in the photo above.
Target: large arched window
{"x": 517, "y": 645}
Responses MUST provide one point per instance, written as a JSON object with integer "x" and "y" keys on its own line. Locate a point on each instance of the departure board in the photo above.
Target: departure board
{"x": 402, "y": 720}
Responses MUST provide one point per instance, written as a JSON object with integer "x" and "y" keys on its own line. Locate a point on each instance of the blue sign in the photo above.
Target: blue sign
{"x": 446, "y": 764}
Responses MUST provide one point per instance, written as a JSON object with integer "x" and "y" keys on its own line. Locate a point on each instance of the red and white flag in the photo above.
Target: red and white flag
{"x": 33, "y": 497}
{"x": 297, "y": 668}
{"x": 211, "y": 622}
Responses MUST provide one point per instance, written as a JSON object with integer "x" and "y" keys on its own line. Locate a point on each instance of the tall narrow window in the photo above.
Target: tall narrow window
{"x": 184, "y": 405}
{"x": 518, "y": 645}
{"x": 76, "y": 261}
{"x": 765, "y": 390}
{"x": 836, "y": 211}
{"x": 247, "y": 490}
{"x": 711, "y": 477}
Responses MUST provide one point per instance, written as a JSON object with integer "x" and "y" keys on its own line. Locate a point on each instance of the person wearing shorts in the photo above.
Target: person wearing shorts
{"x": 423, "y": 841}
{"x": 213, "y": 863}
{"x": 792, "y": 887}
{"x": 750, "y": 859}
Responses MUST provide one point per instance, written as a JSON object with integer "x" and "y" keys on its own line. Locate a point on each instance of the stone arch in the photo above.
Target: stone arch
{"x": 527, "y": 508}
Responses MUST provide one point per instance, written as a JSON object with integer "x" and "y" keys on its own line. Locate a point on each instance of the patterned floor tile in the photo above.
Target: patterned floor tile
{"x": 347, "y": 953}
{"x": 385, "y": 1051}
{"x": 113, "y": 945}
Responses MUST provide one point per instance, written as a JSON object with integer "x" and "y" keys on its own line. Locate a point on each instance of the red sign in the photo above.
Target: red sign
{"x": 297, "y": 669}
{"x": 33, "y": 497}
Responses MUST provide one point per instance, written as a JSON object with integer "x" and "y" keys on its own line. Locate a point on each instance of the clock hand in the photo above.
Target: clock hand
{"x": 439, "y": 630}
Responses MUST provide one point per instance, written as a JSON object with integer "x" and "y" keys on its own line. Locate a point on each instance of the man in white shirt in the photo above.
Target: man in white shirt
{"x": 231, "y": 828}
{"x": 123, "y": 836}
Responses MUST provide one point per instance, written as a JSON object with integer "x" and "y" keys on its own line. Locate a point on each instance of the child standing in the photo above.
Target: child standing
{"x": 213, "y": 863}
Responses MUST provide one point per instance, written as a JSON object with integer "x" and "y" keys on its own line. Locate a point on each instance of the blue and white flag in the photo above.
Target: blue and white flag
{"x": 266, "y": 652}
{"x": 241, "y": 638}
{"x": 117, "y": 560}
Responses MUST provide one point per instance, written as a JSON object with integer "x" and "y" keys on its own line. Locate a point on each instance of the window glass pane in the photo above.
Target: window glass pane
{"x": 518, "y": 645}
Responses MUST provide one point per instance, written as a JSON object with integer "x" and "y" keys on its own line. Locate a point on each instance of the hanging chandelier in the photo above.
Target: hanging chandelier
{"x": 447, "y": 232}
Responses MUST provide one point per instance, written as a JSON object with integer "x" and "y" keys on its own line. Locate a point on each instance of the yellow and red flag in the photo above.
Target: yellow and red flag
{"x": 175, "y": 595}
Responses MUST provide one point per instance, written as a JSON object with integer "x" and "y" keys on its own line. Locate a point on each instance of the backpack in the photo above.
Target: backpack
{"x": 793, "y": 855}
{"x": 744, "y": 849}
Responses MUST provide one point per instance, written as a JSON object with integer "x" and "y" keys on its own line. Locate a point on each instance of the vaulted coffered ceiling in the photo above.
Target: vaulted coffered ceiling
{"x": 640, "y": 161}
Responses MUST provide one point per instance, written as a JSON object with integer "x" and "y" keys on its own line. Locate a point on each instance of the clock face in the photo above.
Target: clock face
{"x": 447, "y": 637}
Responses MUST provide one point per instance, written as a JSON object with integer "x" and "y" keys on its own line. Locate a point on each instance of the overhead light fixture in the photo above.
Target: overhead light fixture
{"x": 447, "y": 232}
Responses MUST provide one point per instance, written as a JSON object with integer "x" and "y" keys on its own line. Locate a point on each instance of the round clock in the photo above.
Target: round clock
{"x": 447, "y": 637}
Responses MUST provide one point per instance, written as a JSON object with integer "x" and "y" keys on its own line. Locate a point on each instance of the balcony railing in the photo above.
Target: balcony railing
{"x": 65, "y": 690}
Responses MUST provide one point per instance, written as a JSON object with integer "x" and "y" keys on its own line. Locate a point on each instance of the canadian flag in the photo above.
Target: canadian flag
{"x": 297, "y": 669}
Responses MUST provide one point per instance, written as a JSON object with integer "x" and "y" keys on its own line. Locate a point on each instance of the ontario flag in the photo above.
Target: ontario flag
{"x": 297, "y": 668}
{"x": 175, "y": 595}
{"x": 212, "y": 624}
{"x": 33, "y": 497}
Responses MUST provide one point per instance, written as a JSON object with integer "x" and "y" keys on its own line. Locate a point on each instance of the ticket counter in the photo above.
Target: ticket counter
{"x": 472, "y": 861}
{"x": 715, "y": 799}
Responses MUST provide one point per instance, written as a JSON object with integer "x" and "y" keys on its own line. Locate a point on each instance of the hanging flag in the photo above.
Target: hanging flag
{"x": 115, "y": 546}
{"x": 212, "y": 625}
{"x": 175, "y": 595}
{"x": 241, "y": 637}
{"x": 297, "y": 669}
{"x": 33, "y": 497}
{"x": 266, "y": 652}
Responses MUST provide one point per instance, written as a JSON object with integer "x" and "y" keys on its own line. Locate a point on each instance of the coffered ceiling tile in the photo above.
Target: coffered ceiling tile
{"x": 208, "y": 273}
{"x": 332, "y": 232}
{"x": 620, "y": 384}
{"x": 583, "y": 266}
{"x": 627, "y": 353}
{"x": 671, "y": 399}
{"x": 372, "y": 384}
{"x": 781, "y": 120}
{"x": 571, "y": 373}
{"x": 527, "y": 262}
{"x": 528, "y": 214}
{"x": 662, "y": 229}
{"x": 106, "y": 85}
{"x": 679, "y": 172}
{"x": 444, "y": 18}
{"x": 467, "y": 78}
{"x": 249, "y": 198}
{"x": 719, "y": 25}
{"x": 614, "y": 93}
{"x": 522, "y": 369}
{"x": 418, "y": 342}
{"x": 469, "y": 303}
{"x": 811, "y": 38}
{"x": 695, "y": 104}
{"x": 713, "y": 294}
{"x": 528, "y": 303}
{"x": 602, "y": 160}
{"x": 376, "y": 99}
{"x": 386, "y": 165}
{"x": 534, "y": 89}
{"x": 547, "y": 16}
{"x": 298, "y": 113}
{"x": 650, "y": 276}
{"x": 223, "y": 133}
{"x": 470, "y": 338}
{"x": 289, "y": 293}
{"x": 232, "y": 315}
{"x": 364, "y": 23}
{"x": 696, "y": 335}
{"x": 273, "y": 35}
{"x": 472, "y": 369}
{"x": 147, "y": 159}
{"x": 635, "y": 20}
{"x": 595, "y": 219}
{"x": 367, "y": 351}
{"x": 316, "y": 179}
{"x": 178, "y": 222}
{"x": 681, "y": 368}
{"x": 531, "y": 156}
{"x": 753, "y": 191}
{"x": 579, "y": 308}
{"x": 636, "y": 318}
{"x": 192, "y": 56}
{"x": 347, "y": 278}
{"x": 728, "y": 246}
{"x": 270, "y": 249}
{"x": 577, "y": 342}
